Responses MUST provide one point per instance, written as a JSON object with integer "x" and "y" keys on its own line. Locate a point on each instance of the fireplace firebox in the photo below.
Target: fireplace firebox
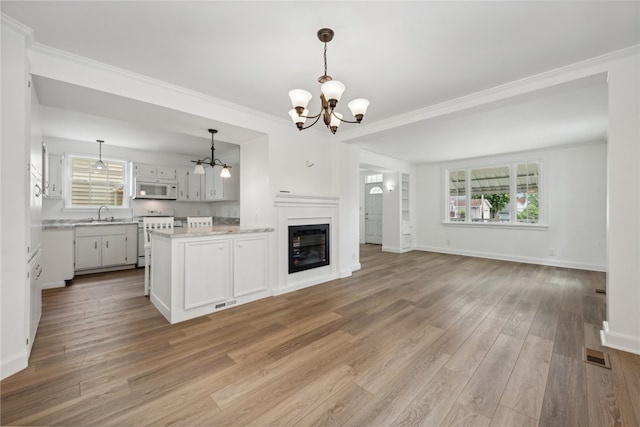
{"x": 308, "y": 247}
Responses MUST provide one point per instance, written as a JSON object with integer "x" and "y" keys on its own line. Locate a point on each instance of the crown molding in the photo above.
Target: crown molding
{"x": 553, "y": 77}
{"x": 41, "y": 49}
{"x": 20, "y": 28}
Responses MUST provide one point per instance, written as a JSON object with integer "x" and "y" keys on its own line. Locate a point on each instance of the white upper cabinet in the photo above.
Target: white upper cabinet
{"x": 154, "y": 172}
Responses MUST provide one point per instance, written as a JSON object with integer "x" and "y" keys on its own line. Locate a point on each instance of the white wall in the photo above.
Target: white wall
{"x": 622, "y": 328}
{"x": 14, "y": 200}
{"x": 573, "y": 192}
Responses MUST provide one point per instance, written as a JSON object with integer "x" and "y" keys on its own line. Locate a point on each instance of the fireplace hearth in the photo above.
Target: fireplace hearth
{"x": 308, "y": 247}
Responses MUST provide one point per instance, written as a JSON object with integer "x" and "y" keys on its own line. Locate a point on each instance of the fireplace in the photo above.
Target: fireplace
{"x": 308, "y": 247}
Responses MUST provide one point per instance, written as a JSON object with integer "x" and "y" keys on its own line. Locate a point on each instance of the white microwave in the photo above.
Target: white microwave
{"x": 155, "y": 190}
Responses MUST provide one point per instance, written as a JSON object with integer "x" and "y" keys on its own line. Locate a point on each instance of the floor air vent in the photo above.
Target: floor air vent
{"x": 596, "y": 357}
{"x": 601, "y": 291}
{"x": 225, "y": 304}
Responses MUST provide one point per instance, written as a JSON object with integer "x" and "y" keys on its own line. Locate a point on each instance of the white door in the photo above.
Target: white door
{"x": 373, "y": 213}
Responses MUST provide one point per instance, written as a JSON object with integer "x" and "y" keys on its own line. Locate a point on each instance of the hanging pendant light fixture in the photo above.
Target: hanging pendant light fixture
{"x": 331, "y": 93}
{"x": 211, "y": 161}
{"x": 100, "y": 164}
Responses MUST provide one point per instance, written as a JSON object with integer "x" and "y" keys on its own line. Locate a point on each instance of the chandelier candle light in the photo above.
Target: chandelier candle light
{"x": 211, "y": 161}
{"x": 331, "y": 92}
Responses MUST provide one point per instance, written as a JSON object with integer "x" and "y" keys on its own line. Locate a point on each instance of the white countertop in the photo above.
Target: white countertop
{"x": 216, "y": 230}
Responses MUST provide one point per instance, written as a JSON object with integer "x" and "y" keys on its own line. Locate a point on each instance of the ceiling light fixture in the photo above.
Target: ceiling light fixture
{"x": 331, "y": 92}
{"x": 211, "y": 161}
{"x": 100, "y": 164}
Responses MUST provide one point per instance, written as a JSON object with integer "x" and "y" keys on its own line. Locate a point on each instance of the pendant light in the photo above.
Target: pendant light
{"x": 100, "y": 164}
{"x": 211, "y": 161}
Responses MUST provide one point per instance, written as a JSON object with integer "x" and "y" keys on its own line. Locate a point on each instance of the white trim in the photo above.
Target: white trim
{"x": 515, "y": 258}
{"x": 521, "y": 226}
{"x": 54, "y": 285}
{"x": 586, "y": 68}
{"x": 14, "y": 364}
{"x": 393, "y": 249}
{"x": 622, "y": 342}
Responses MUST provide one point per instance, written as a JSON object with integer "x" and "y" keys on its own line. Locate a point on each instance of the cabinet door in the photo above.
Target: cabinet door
{"x": 231, "y": 185}
{"x": 183, "y": 184}
{"x": 145, "y": 171}
{"x": 209, "y": 184}
{"x": 195, "y": 187}
{"x": 166, "y": 172}
{"x": 206, "y": 273}
{"x": 114, "y": 250}
{"x": 55, "y": 176}
{"x": 218, "y": 185}
{"x": 88, "y": 252}
{"x": 250, "y": 265}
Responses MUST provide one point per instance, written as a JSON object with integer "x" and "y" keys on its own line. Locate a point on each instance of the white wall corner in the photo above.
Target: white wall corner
{"x": 618, "y": 341}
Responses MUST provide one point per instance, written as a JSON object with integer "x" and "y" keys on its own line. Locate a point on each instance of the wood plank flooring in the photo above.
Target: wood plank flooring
{"x": 411, "y": 339}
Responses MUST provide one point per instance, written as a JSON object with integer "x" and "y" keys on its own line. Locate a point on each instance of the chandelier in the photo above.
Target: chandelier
{"x": 331, "y": 92}
{"x": 211, "y": 161}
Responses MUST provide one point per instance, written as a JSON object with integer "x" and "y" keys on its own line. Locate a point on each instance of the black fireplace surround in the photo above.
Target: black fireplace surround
{"x": 308, "y": 247}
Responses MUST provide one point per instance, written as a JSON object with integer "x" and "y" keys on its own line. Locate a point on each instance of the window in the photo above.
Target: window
{"x": 490, "y": 194}
{"x": 457, "y": 198}
{"x": 370, "y": 179}
{"x": 528, "y": 205}
{"x": 493, "y": 194}
{"x": 91, "y": 187}
{"x": 375, "y": 190}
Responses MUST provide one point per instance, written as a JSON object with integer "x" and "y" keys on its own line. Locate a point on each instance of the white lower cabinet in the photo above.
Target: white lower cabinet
{"x": 57, "y": 257}
{"x": 195, "y": 276}
{"x": 105, "y": 246}
{"x": 250, "y": 265}
{"x": 206, "y": 273}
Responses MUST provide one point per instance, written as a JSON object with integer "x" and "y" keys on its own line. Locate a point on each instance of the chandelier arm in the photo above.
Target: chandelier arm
{"x": 342, "y": 120}
{"x": 314, "y": 122}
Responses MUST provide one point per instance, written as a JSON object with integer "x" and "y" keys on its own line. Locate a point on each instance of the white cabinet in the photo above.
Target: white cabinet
{"x": 104, "y": 246}
{"x": 190, "y": 186}
{"x": 194, "y": 187}
{"x": 250, "y": 265}
{"x": 35, "y": 309}
{"x": 218, "y": 188}
{"x": 194, "y": 275}
{"x": 54, "y": 178}
{"x": 57, "y": 257}
{"x": 206, "y": 273}
{"x": 88, "y": 252}
{"x": 406, "y": 227}
{"x": 153, "y": 172}
{"x": 35, "y": 207}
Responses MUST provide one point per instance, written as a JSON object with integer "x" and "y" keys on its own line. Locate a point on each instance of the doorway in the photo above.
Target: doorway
{"x": 373, "y": 213}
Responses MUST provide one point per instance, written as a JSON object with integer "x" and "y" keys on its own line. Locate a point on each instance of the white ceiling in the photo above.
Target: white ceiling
{"x": 403, "y": 56}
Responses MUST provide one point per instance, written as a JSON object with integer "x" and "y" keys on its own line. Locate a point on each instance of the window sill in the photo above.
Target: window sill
{"x": 508, "y": 226}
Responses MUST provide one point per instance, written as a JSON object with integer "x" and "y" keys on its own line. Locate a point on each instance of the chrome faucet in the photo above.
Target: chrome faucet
{"x": 100, "y": 209}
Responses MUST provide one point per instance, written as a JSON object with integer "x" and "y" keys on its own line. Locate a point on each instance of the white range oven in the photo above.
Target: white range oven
{"x": 139, "y": 216}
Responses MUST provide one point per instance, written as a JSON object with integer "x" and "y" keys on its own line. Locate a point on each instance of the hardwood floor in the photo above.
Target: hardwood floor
{"x": 412, "y": 339}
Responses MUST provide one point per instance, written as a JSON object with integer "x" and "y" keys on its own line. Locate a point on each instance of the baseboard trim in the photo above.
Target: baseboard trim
{"x": 618, "y": 341}
{"x": 392, "y": 249}
{"x": 54, "y": 285}
{"x": 514, "y": 258}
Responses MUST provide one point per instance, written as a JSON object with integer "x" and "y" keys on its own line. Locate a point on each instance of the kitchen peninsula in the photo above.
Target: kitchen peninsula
{"x": 197, "y": 271}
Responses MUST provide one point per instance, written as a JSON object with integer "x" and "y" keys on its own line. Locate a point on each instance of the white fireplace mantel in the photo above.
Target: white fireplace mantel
{"x": 305, "y": 209}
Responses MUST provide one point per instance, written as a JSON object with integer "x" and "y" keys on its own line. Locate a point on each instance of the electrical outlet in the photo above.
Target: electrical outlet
{"x": 552, "y": 252}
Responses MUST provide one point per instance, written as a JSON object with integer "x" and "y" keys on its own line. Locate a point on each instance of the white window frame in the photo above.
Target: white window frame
{"x": 512, "y": 163}
{"x": 67, "y": 183}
